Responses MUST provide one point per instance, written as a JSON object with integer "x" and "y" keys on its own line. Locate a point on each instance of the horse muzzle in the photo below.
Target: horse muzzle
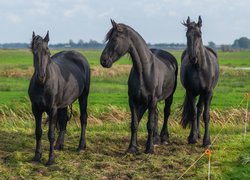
{"x": 106, "y": 61}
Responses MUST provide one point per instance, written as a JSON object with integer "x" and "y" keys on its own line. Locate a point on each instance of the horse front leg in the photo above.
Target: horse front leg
{"x": 51, "y": 135}
{"x": 193, "y": 136}
{"x": 206, "y": 118}
{"x": 150, "y": 126}
{"x": 199, "y": 110}
{"x": 137, "y": 112}
{"x": 38, "y": 132}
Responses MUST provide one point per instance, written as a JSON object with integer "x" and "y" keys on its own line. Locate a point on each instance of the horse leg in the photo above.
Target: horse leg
{"x": 38, "y": 116}
{"x": 206, "y": 117}
{"x": 199, "y": 110}
{"x": 62, "y": 120}
{"x": 83, "y": 101}
{"x": 164, "y": 132}
{"x": 51, "y": 135}
{"x": 156, "y": 136}
{"x": 193, "y": 136}
{"x": 150, "y": 126}
{"x": 137, "y": 112}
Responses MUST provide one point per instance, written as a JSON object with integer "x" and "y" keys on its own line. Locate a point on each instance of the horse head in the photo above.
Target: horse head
{"x": 118, "y": 44}
{"x": 194, "y": 40}
{"x": 41, "y": 55}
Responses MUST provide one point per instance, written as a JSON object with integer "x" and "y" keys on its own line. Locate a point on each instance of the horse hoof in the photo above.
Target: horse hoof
{"x": 164, "y": 140}
{"x": 81, "y": 148}
{"x": 132, "y": 150}
{"x": 50, "y": 161}
{"x": 156, "y": 139}
{"x": 58, "y": 147}
{"x": 206, "y": 143}
{"x": 192, "y": 140}
{"x": 149, "y": 151}
{"x": 37, "y": 157}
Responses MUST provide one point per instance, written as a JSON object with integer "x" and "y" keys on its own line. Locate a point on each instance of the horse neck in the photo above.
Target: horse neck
{"x": 141, "y": 57}
{"x": 201, "y": 54}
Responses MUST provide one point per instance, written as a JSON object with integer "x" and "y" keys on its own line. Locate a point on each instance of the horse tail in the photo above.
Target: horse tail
{"x": 187, "y": 113}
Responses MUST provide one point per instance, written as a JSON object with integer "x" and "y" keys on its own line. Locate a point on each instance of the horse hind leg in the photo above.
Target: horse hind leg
{"x": 164, "y": 132}
{"x": 199, "y": 111}
{"x": 83, "y": 101}
{"x": 62, "y": 120}
{"x": 155, "y": 135}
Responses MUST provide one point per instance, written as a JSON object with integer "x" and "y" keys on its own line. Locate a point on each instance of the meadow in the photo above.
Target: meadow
{"x": 108, "y": 131}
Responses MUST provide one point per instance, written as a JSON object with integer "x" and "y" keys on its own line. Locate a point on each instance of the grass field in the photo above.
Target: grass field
{"x": 108, "y": 131}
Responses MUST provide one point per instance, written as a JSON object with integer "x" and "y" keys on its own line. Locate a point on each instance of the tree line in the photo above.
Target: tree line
{"x": 242, "y": 43}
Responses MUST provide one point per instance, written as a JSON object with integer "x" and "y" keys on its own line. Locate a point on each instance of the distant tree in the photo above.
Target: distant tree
{"x": 243, "y": 43}
{"x": 71, "y": 43}
{"x": 93, "y": 42}
{"x": 80, "y": 42}
{"x": 212, "y": 45}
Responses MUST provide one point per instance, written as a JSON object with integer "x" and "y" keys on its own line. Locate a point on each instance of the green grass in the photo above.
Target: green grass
{"x": 108, "y": 131}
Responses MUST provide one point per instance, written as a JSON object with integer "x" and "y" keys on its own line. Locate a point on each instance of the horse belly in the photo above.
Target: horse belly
{"x": 190, "y": 80}
{"x": 135, "y": 91}
{"x": 70, "y": 91}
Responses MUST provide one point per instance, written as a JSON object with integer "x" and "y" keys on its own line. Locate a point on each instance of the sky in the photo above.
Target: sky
{"x": 158, "y": 21}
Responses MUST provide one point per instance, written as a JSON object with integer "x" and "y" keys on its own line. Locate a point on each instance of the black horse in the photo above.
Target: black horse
{"x": 153, "y": 77}
{"x": 56, "y": 83}
{"x": 199, "y": 76}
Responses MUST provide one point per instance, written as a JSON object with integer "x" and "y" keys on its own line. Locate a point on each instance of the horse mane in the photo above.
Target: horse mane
{"x": 212, "y": 51}
{"x": 35, "y": 41}
{"x": 108, "y": 35}
{"x": 110, "y": 32}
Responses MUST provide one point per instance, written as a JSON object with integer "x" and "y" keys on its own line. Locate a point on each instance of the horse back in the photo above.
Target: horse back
{"x": 166, "y": 57}
{"x": 67, "y": 58}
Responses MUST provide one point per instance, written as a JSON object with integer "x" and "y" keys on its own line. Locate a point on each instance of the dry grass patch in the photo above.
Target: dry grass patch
{"x": 16, "y": 73}
{"x": 116, "y": 70}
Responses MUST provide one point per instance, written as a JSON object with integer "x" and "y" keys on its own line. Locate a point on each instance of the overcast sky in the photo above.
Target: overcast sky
{"x": 156, "y": 20}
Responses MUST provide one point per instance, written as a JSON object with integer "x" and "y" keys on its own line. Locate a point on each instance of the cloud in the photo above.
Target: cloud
{"x": 14, "y": 19}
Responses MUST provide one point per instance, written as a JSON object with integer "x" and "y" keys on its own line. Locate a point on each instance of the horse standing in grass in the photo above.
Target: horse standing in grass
{"x": 56, "y": 83}
{"x": 153, "y": 77}
{"x": 199, "y": 76}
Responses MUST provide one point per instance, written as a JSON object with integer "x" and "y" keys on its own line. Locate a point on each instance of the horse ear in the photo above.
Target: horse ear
{"x": 47, "y": 37}
{"x": 33, "y": 35}
{"x": 199, "y": 21}
{"x": 188, "y": 20}
{"x": 114, "y": 24}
